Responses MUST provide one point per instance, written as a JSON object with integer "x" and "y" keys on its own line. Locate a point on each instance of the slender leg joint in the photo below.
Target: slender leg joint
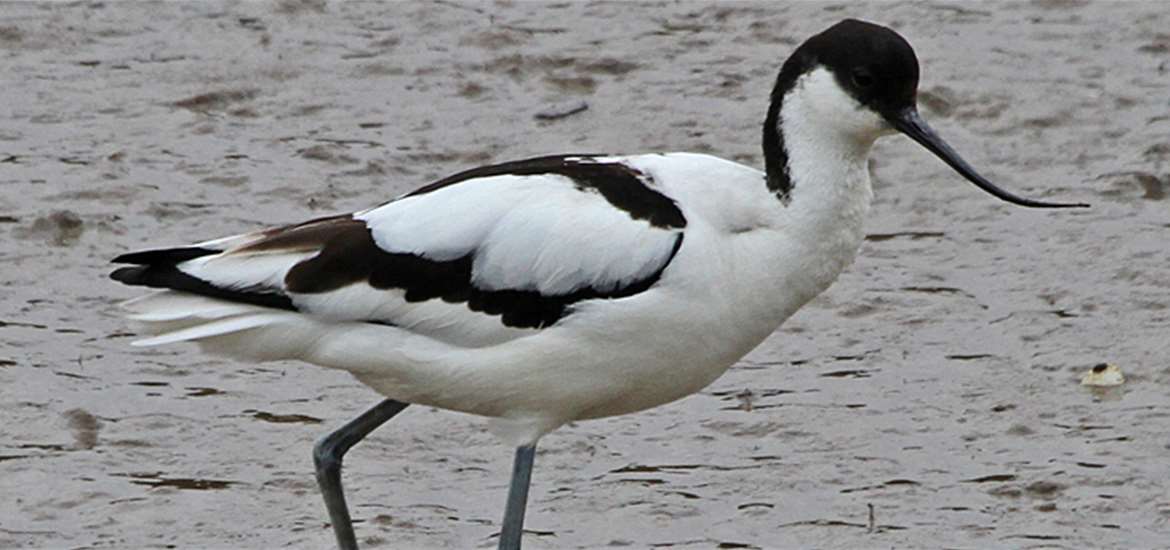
{"x": 327, "y": 456}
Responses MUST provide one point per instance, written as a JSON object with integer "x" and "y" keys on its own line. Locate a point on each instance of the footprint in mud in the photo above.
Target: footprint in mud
{"x": 1134, "y": 184}
{"x": 330, "y": 153}
{"x": 85, "y": 428}
{"x": 226, "y": 181}
{"x": 58, "y": 228}
{"x": 606, "y": 65}
{"x": 582, "y": 85}
{"x": 197, "y": 391}
{"x": 283, "y": 418}
{"x": 216, "y": 101}
{"x": 493, "y": 40}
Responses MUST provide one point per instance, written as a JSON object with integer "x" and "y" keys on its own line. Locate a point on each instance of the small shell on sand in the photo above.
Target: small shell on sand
{"x": 1103, "y": 375}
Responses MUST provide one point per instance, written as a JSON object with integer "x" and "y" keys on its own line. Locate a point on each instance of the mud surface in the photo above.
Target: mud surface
{"x": 937, "y": 381}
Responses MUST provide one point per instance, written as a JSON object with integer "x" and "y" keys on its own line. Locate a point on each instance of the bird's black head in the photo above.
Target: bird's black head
{"x": 860, "y": 81}
{"x": 872, "y": 63}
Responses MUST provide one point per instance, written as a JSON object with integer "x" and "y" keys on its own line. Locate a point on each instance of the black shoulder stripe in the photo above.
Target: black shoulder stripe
{"x": 621, "y": 185}
{"x": 536, "y": 165}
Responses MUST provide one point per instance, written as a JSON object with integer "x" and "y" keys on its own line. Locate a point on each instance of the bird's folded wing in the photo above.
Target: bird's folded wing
{"x": 472, "y": 260}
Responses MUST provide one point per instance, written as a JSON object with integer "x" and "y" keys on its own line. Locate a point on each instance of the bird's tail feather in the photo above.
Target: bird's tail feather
{"x": 223, "y": 327}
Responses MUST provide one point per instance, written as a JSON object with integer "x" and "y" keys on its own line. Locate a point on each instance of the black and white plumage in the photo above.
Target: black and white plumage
{"x": 560, "y": 288}
{"x": 481, "y": 244}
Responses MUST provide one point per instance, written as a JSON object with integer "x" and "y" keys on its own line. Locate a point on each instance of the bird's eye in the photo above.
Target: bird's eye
{"x": 862, "y": 78}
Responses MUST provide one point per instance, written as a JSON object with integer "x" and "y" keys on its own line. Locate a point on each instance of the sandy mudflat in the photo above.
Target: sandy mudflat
{"x": 936, "y": 381}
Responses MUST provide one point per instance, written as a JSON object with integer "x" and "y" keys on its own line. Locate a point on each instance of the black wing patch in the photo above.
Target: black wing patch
{"x": 166, "y": 255}
{"x": 156, "y": 268}
{"x": 166, "y": 275}
{"x": 354, "y": 257}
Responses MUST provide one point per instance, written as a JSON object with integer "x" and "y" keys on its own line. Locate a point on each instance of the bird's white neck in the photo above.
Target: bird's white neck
{"x": 826, "y": 138}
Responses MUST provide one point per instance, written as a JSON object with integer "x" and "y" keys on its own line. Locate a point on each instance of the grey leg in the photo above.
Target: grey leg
{"x": 327, "y": 455}
{"x": 513, "y": 527}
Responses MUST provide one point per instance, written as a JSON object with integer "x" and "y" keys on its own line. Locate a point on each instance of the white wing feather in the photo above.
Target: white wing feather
{"x": 537, "y": 233}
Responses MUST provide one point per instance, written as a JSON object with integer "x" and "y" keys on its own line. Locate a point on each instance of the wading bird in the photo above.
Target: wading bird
{"x": 560, "y": 288}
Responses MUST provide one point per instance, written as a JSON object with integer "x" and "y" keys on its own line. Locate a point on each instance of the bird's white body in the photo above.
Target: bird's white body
{"x": 747, "y": 261}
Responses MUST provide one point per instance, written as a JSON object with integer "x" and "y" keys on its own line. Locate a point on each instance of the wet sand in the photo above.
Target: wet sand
{"x": 937, "y": 381}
